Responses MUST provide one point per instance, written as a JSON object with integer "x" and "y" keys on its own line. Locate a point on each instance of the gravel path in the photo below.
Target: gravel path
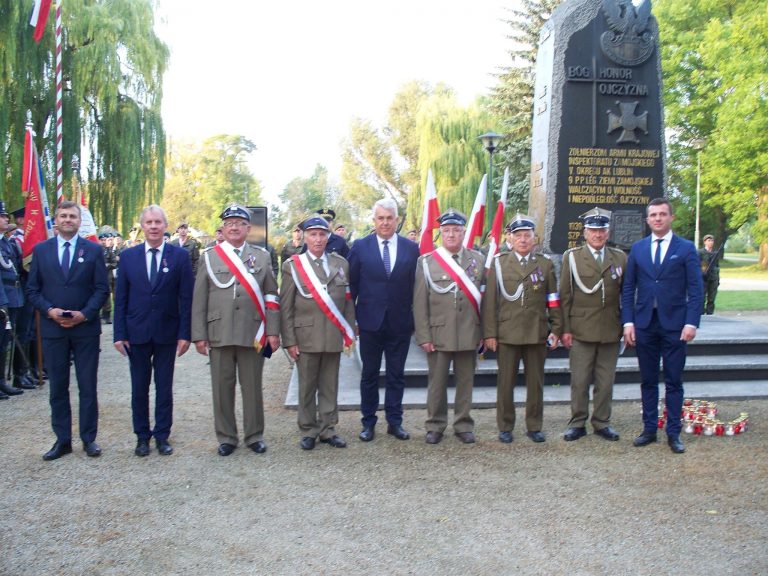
{"x": 389, "y": 507}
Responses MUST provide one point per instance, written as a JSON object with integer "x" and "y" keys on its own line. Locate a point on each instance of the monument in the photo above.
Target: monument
{"x": 598, "y": 122}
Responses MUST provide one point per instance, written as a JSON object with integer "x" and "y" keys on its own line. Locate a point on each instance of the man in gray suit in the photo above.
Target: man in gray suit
{"x": 317, "y": 320}
{"x": 590, "y": 293}
{"x": 236, "y": 316}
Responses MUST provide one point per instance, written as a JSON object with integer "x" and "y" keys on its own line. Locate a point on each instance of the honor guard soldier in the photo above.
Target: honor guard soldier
{"x": 590, "y": 294}
{"x": 110, "y": 259}
{"x": 293, "y": 246}
{"x": 710, "y": 272}
{"x": 317, "y": 320}
{"x": 446, "y": 310}
{"x": 236, "y": 319}
{"x": 521, "y": 319}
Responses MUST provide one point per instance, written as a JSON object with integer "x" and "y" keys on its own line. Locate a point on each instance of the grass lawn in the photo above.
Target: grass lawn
{"x": 742, "y": 266}
{"x": 741, "y": 300}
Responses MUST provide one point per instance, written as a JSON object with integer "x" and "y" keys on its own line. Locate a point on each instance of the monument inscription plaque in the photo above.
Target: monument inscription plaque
{"x": 598, "y": 127}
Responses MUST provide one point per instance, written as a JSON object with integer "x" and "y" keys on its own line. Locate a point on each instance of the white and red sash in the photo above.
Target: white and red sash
{"x": 459, "y": 276}
{"x": 303, "y": 268}
{"x": 248, "y": 282}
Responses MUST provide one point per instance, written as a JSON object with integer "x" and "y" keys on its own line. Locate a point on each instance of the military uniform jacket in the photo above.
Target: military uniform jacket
{"x": 593, "y": 317}
{"x": 705, "y": 257}
{"x": 448, "y": 320}
{"x": 526, "y": 320}
{"x": 222, "y": 311}
{"x": 302, "y": 322}
{"x": 11, "y": 294}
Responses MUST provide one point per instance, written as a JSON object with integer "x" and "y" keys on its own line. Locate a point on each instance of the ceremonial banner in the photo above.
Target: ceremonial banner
{"x": 39, "y": 19}
{"x": 477, "y": 218}
{"x": 37, "y": 224}
{"x": 498, "y": 222}
{"x": 429, "y": 216}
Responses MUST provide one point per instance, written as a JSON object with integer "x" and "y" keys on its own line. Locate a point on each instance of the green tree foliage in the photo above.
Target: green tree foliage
{"x": 112, "y": 70}
{"x": 512, "y": 98}
{"x": 716, "y": 91}
{"x": 204, "y": 178}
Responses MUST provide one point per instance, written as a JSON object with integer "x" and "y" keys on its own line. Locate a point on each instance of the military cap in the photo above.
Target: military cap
{"x": 708, "y": 237}
{"x": 297, "y": 227}
{"x": 327, "y": 213}
{"x": 3, "y": 211}
{"x": 18, "y": 213}
{"x": 596, "y": 218}
{"x": 315, "y": 223}
{"x": 167, "y": 234}
{"x": 452, "y": 216}
{"x": 520, "y": 222}
{"x": 236, "y": 211}
{"x": 103, "y": 235}
{"x": 183, "y": 225}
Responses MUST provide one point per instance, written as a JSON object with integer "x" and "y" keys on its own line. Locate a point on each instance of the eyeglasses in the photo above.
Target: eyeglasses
{"x": 235, "y": 224}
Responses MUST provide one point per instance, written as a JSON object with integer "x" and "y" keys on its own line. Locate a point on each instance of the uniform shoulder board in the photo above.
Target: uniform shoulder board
{"x": 256, "y": 246}
{"x": 501, "y": 254}
{"x": 617, "y": 250}
{"x": 572, "y": 250}
{"x": 335, "y": 255}
{"x": 209, "y": 248}
{"x": 547, "y": 256}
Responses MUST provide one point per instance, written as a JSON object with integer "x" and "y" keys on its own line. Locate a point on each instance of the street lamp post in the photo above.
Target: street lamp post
{"x": 490, "y": 142}
{"x": 698, "y": 144}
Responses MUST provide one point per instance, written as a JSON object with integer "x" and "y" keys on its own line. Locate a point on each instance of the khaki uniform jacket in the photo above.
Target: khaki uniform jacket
{"x": 587, "y": 316}
{"x": 447, "y": 320}
{"x": 302, "y": 322}
{"x": 228, "y": 316}
{"x": 526, "y": 320}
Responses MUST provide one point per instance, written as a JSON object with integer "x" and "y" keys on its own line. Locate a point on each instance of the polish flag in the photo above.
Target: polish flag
{"x": 40, "y": 12}
{"x": 87, "y": 225}
{"x": 498, "y": 222}
{"x": 429, "y": 216}
{"x": 477, "y": 218}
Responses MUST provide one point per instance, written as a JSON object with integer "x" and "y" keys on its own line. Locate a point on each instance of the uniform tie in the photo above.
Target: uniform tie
{"x": 65, "y": 260}
{"x": 523, "y": 261}
{"x": 153, "y": 267}
{"x": 387, "y": 265}
{"x": 599, "y": 257}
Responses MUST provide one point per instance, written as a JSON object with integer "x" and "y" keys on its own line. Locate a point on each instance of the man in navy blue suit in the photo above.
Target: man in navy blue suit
{"x": 68, "y": 284}
{"x": 382, "y": 270}
{"x": 153, "y": 310}
{"x": 661, "y": 307}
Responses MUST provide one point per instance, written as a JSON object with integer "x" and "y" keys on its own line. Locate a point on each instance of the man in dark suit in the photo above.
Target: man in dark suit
{"x": 68, "y": 284}
{"x": 153, "y": 308}
{"x": 382, "y": 270}
{"x": 660, "y": 309}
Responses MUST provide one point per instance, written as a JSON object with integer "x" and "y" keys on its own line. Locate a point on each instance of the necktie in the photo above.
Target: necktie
{"x": 65, "y": 260}
{"x": 237, "y": 252}
{"x": 599, "y": 257}
{"x": 320, "y": 270}
{"x": 657, "y": 257}
{"x": 153, "y": 267}
{"x": 523, "y": 261}
{"x": 387, "y": 265}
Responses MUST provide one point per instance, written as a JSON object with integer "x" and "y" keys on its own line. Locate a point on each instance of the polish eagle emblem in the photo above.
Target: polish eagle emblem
{"x": 630, "y": 40}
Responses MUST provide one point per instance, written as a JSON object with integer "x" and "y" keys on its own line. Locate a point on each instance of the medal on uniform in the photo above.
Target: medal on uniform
{"x": 80, "y": 256}
{"x": 251, "y": 260}
{"x": 165, "y": 266}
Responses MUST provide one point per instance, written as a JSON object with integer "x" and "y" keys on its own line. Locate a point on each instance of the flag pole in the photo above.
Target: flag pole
{"x": 59, "y": 153}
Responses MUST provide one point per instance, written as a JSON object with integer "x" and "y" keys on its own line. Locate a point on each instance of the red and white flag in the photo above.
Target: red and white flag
{"x": 429, "y": 216}
{"x": 498, "y": 222}
{"x": 39, "y": 19}
{"x": 87, "y": 225}
{"x": 477, "y": 218}
{"x": 37, "y": 223}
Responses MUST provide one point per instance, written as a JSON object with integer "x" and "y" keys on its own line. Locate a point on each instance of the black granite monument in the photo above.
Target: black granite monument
{"x": 598, "y": 125}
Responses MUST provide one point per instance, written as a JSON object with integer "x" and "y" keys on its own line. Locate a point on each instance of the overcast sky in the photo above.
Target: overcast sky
{"x": 290, "y": 75}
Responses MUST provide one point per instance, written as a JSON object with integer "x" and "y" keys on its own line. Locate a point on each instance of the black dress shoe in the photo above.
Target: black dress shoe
{"x": 259, "y": 447}
{"x": 398, "y": 432}
{"x": 335, "y": 441}
{"x": 164, "y": 447}
{"x": 675, "y": 444}
{"x": 434, "y": 437}
{"x": 3, "y": 396}
{"x": 536, "y": 436}
{"x": 142, "y": 448}
{"x": 574, "y": 434}
{"x": 644, "y": 439}
{"x": 20, "y": 382}
{"x": 307, "y": 443}
{"x": 505, "y": 437}
{"x": 92, "y": 449}
{"x": 59, "y": 449}
{"x": 466, "y": 437}
{"x": 226, "y": 449}
{"x": 9, "y": 390}
{"x": 367, "y": 434}
{"x": 608, "y": 433}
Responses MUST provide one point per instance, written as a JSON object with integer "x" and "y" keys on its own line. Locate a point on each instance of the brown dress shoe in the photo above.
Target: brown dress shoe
{"x": 466, "y": 437}
{"x": 434, "y": 437}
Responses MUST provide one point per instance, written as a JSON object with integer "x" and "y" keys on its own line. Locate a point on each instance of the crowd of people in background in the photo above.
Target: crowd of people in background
{"x": 236, "y": 303}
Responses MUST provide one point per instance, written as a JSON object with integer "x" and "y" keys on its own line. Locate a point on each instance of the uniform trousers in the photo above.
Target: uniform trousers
{"x": 318, "y": 390}
{"x": 437, "y": 392}
{"x": 228, "y": 365}
{"x": 655, "y": 343}
{"x": 592, "y": 363}
{"x": 533, "y": 356}
{"x": 710, "y": 292}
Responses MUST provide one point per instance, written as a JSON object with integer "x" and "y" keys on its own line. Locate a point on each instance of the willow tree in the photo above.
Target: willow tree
{"x": 112, "y": 68}
{"x": 512, "y": 98}
{"x": 448, "y": 145}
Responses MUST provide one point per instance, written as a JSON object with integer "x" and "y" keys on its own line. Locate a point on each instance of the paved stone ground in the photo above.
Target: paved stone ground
{"x": 388, "y": 507}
